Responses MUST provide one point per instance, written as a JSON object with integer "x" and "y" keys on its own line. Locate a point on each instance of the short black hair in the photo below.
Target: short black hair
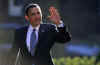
{"x": 28, "y": 6}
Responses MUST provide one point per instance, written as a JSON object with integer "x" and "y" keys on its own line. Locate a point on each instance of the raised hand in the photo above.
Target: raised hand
{"x": 54, "y": 15}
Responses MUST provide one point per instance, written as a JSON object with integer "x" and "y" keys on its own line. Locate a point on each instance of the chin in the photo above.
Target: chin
{"x": 38, "y": 22}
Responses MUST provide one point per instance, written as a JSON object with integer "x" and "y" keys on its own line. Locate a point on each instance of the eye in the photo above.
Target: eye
{"x": 38, "y": 12}
{"x": 33, "y": 14}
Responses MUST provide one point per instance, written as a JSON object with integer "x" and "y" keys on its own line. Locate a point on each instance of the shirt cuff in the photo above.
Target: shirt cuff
{"x": 61, "y": 24}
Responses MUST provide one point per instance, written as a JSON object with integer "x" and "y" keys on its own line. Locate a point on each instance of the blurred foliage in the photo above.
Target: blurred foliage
{"x": 76, "y": 60}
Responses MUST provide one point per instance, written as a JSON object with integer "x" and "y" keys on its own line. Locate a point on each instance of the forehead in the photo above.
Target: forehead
{"x": 33, "y": 10}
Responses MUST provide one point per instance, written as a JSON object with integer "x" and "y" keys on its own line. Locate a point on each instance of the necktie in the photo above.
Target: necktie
{"x": 33, "y": 42}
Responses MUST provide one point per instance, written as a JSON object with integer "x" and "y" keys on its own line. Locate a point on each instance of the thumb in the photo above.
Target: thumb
{"x": 48, "y": 17}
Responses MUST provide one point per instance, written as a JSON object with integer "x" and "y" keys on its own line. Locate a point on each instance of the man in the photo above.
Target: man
{"x": 37, "y": 52}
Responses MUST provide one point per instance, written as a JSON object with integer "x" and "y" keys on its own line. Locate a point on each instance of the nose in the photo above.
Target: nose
{"x": 37, "y": 15}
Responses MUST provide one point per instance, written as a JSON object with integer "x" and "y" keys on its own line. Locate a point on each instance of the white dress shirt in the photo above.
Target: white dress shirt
{"x": 30, "y": 30}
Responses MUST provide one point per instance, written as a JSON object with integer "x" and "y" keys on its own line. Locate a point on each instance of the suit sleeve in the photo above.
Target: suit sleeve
{"x": 62, "y": 35}
{"x": 16, "y": 43}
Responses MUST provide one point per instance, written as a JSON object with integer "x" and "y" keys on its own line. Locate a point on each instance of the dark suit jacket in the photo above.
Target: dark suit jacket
{"x": 48, "y": 35}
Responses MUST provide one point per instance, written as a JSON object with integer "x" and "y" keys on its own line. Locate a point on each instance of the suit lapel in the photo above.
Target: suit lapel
{"x": 40, "y": 34}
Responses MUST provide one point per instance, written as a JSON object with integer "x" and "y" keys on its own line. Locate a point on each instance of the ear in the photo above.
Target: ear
{"x": 26, "y": 17}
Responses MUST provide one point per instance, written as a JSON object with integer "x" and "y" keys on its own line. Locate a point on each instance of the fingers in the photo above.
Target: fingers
{"x": 53, "y": 11}
{"x": 54, "y": 15}
{"x": 48, "y": 17}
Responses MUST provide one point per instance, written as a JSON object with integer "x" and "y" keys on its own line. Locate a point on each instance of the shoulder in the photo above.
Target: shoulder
{"x": 48, "y": 25}
{"x": 21, "y": 28}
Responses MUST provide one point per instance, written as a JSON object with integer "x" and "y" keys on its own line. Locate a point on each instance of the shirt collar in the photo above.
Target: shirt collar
{"x": 31, "y": 28}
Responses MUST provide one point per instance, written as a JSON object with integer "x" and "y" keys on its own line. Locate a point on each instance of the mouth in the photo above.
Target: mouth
{"x": 38, "y": 20}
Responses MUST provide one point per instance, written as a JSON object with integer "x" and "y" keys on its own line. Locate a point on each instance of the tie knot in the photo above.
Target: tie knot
{"x": 34, "y": 29}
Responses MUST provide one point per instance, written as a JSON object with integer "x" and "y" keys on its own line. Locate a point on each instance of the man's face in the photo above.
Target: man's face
{"x": 34, "y": 16}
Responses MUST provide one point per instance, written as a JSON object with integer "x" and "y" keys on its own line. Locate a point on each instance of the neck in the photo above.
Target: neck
{"x": 34, "y": 25}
